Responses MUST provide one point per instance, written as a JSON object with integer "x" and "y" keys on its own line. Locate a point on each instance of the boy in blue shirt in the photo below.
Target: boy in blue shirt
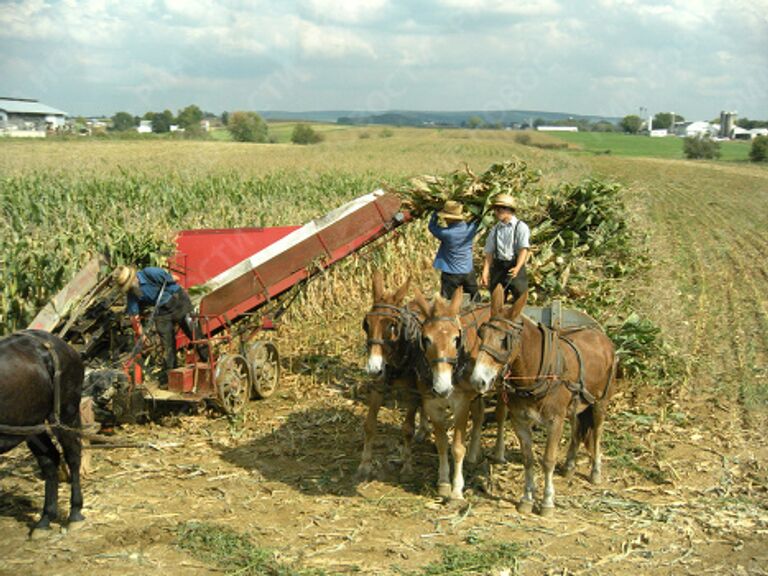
{"x": 454, "y": 257}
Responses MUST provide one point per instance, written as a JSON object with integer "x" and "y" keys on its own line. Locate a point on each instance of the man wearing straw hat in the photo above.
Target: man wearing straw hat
{"x": 454, "y": 257}
{"x": 156, "y": 287}
{"x": 506, "y": 250}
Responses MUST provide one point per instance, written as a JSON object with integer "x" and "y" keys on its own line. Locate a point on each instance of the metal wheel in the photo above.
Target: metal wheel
{"x": 231, "y": 378}
{"x": 264, "y": 361}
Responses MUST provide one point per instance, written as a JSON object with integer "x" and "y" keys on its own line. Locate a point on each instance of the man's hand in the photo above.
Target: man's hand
{"x": 484, "y": 278}
{"x": 513, "y": 272}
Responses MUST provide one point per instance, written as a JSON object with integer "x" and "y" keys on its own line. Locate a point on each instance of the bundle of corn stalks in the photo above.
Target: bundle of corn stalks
{"x": 425, "y": 194}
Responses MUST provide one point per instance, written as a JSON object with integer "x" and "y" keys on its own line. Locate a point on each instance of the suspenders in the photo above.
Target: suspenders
{"x": 514, "y": 242}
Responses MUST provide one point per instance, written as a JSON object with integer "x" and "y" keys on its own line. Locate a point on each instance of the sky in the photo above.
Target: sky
{"x": 599, "y": 57}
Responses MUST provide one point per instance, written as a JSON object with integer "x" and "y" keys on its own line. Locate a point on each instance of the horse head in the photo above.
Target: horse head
{"x": 441, "y": 338}
{"x": 384, "y": 324}
{"x": 500, "y": 340}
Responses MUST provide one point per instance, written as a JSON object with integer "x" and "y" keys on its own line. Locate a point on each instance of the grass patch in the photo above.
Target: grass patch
{"x": 472, "y": 560}
{"x": 619, "y": 144}
{"x": 233, "y": 552}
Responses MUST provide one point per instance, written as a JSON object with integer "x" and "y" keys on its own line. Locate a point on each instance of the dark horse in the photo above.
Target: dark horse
{"x": 41, "y": 378}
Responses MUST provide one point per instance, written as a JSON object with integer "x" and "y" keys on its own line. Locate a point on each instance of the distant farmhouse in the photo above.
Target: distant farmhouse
{"x": 21, "y": 117}
{"x": 544, "y": 128}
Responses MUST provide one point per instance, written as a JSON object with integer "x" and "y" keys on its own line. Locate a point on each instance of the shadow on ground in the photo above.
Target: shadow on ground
{"x": 317, "y": 451}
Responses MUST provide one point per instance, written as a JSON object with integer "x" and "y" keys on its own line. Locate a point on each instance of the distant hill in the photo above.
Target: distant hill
{"x": 427, "y": 118}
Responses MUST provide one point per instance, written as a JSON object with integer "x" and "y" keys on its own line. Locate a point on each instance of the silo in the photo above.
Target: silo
{"x": 726, "y": 123}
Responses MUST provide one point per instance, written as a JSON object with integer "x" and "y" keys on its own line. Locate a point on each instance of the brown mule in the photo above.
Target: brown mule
{"x": 546, "y": 377}
{"x": 392, "y": 331}
{"x": 448, "y": 340}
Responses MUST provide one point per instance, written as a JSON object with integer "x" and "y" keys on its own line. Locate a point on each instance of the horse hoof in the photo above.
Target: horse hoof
{"x": 498, "y": 459}
{"x": 75, "y": 521}
{"x": 595, "y": 478}
{"x": 525, "y": 507}
{"x": 444, "y": 490}
{"x": 40, "y": 533}
{"x": 547, "y": 511}
{"x": 568, "y": 471}
{"x": 363, "y": 473}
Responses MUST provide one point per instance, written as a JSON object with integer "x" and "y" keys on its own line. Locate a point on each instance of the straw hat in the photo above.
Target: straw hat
{"x": 505, "y": 200}
{"x": 452, "y": 211}
{"x": 123, "y": 277}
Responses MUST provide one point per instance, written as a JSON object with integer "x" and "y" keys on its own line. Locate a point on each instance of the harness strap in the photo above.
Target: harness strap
{"x": 56, "y": 380}
{"x": 578, "y": 387}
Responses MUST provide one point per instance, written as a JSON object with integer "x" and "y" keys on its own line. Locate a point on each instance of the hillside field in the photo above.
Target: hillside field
{"x": 685, "y": 487}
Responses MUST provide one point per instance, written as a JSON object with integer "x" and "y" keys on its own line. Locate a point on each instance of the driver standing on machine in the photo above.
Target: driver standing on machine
{"x": 156, "y": 287}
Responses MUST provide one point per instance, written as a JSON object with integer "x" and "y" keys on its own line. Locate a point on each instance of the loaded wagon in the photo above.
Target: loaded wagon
{"x": 241, "y": 281}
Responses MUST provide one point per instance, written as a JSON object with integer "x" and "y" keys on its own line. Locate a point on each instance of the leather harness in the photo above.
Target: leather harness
{"x": 553, "y": 363}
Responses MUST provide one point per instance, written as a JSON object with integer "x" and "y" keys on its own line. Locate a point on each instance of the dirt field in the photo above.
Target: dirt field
{"x": 685, "y": 487}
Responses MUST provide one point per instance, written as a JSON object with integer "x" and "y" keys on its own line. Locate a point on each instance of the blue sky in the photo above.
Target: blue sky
{"x": 602, "y": 57}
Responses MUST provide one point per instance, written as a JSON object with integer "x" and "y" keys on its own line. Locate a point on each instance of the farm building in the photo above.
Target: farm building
{"x": 698, "y": 128}
{"x": 558, "y": 128}
{"x": 28, "y": 118}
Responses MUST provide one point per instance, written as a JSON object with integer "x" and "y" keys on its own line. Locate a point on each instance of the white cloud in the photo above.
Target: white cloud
{"x": 348, "y": 11}
{"x": 331, "y": 43}
{"x": 522, "y": 8}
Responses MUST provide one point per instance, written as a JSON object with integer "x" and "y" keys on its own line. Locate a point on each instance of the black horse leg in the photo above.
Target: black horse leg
{"x": 48, "y": 458}
{"x": 72, "y": 447}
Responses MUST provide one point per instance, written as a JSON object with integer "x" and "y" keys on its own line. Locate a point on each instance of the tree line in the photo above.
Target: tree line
{"x": 244, "y": 126}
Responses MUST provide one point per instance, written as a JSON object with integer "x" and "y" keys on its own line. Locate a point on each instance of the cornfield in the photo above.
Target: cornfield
{"x": 57, "y": 219}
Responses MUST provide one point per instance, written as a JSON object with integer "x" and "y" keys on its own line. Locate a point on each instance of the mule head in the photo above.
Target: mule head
{"x": 383, "y": 324}
{"x": 441, "y": 338}
{"x": 500, "y": 340}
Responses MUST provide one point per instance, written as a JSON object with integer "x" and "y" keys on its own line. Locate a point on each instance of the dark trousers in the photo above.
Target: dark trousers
{"x": 513, "y": 287}
{"x": 449, "y": 283}
{"x": 176, "y": 312}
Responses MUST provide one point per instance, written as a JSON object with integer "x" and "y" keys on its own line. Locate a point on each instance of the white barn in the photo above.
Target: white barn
{"x": 25, "y": 117}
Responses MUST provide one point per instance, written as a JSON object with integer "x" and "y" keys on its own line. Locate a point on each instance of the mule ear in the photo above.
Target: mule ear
{"x": 378, "y": 285}
{"x": 418, "y": 297}
{"x": 518, "y": 305}
{"x": 497, "y": 299}
{"x": 402, "y": 291}
{"x": 458, "y": 295}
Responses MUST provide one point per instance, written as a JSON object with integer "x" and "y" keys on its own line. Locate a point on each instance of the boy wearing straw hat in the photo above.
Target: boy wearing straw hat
{"x": 156, "y": 287}
{"x": 454, "y": 257}
{"x": 506, "y": 250}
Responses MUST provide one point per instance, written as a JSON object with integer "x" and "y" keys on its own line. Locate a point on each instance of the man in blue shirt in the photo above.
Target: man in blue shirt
{"x": 156, "y": 287}
{"x": 454, "y": 257}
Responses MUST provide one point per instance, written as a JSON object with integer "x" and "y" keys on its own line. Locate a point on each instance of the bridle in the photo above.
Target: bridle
{"x": 452, "y": 360}
{"x": 511, "y": 328}
{"x": 387, "y": 311}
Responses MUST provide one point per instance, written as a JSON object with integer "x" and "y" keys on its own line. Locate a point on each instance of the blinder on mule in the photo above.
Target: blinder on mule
{"x": 425, "y": 341}
{"x": 511, "y": 330}
{"x": 386, "y": 311}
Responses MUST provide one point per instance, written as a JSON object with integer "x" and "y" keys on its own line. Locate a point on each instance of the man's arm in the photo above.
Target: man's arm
{"x": 522, "y": 258}
{"x": 434, "y": 229}
{"x": 486, "y": 273}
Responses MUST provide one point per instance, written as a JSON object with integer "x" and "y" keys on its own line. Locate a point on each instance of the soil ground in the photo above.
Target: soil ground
{"x": 685, "y": 488}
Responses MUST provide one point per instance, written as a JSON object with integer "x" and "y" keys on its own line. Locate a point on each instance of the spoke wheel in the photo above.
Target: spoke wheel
{"x": 264, "y": 360}
{"x": 231, "y": 377}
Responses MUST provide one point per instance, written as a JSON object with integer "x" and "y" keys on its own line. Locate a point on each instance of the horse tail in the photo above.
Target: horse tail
{"x": 586, "y": 421}
{"x": 586, "y": 424}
